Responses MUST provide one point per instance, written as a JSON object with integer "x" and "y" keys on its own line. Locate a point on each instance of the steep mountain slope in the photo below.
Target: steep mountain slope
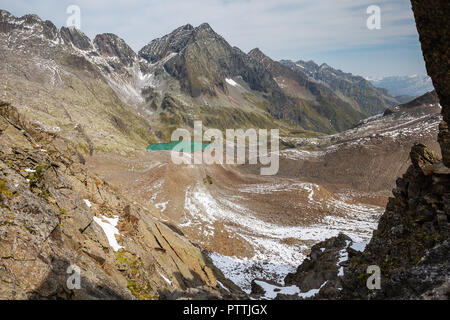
{"x": 60, "y": 80}
{"x": 198, "y": 75}
{"x": 321, "y": 107}
{"x": 429, "y": 99}
{"x": 54, "y": 215}
{"x": 367, "y": 157}
{"x": 355, "y": 90}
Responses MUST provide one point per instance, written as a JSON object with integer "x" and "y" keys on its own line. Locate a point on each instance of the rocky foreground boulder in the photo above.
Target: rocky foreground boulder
{"x": 54, "y": 223}
{"x": 324, "y": 266}
{"x": 414, "y": 225}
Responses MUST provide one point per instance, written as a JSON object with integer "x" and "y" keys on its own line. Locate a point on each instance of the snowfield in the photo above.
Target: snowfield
{"x": 273, "y": 258}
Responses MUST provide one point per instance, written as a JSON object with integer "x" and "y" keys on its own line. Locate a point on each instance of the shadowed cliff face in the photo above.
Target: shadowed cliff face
{"x": 434, "y": 32}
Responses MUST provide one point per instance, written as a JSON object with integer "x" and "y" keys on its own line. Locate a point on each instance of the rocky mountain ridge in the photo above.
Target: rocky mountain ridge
{"x": 359, "y": 92}
{"x": 190, "y": 74}
{"x": 319, "y": 104}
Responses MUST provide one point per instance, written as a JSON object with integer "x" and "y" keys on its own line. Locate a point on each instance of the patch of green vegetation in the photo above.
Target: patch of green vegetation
{"x": 304, "y": 133}
{"x": 130, "y": 259}
{"x": 120, "y": 257}
{"x": 45, "y": 193}
{"x": 141, "y": 292}
{"x": 207, "y": 180}
{"x": 38, "y": 176}
{"x": 11, "y": 223}
{"x": 138, "y": 284}
{"x": 389, "y": 265}
{"x": 363, "y": 278}
{"x": 4, "y": 191}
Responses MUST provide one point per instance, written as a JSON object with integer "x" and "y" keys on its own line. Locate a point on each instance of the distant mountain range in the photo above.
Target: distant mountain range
{"x": 413, "y": 85}
{"x": 356, "y": 90}
{"x": 109, "y": 97}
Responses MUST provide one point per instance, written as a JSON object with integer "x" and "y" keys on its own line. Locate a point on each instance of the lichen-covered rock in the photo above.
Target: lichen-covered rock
{"x": 429, "y": 279}
{"x": 415, "y": 222}
{"x": 50, "y": 208}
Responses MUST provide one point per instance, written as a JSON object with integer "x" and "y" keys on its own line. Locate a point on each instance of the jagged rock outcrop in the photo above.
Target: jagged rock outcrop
{"x": 320, "y": 274}
{"x": 324, "y": 267}
{"x": 434, "y": 35}
{"x": 53, "y": 214}
{"x": 175, "y": 41}
{"x": 110, "y": 45}
{"x": 416, "y": 221}
{"x": 76, "y": 37}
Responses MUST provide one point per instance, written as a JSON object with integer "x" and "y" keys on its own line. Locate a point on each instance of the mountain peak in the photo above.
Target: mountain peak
{"x": 205, "y": 31}
{"x": 77, "y": 37}
{"x": 258, "y": 55}
{"x": 204, "y": 26}
{"x": 172, "y": 42}
{"x": 112, "y": 45}
{"x": 4, "y": 13}
{"x": 187, "y": 26}
{"x": 255, "y": 51}
{"x": 31, "y": 18}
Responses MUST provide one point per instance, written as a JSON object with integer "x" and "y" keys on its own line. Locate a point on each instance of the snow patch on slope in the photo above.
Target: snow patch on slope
{"x": 109, "y": 227}
{"x": 273, "y": 258}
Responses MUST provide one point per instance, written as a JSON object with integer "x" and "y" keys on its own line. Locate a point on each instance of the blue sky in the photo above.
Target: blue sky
{"x": 331, "y": 31}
